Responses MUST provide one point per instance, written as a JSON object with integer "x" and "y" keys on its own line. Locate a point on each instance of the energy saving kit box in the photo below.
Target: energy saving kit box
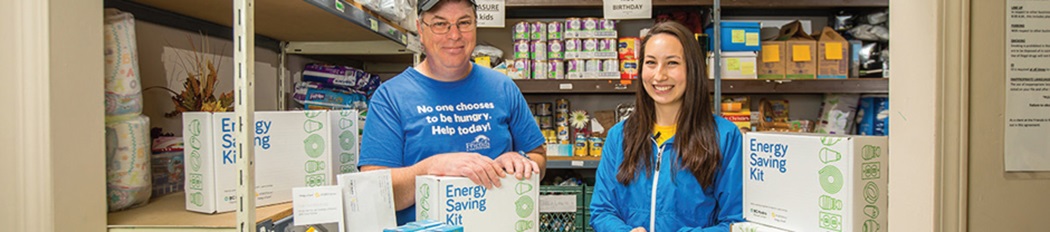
{"x": 458, "y": 201}
{"x": 816, "y": 182}
{"x": 292, "y": 149}
{"x": 753, "y": 227}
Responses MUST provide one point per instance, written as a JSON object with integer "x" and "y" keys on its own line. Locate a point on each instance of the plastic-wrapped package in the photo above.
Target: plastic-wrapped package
{"x": 391, "y": 9}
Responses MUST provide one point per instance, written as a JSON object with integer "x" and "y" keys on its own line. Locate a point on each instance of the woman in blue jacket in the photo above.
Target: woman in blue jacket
{"x": 673, "y": 165}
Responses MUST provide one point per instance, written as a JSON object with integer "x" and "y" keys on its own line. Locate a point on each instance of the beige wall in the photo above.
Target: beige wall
{"x": 999, "y": 201}
{"x": 914, "y": 81}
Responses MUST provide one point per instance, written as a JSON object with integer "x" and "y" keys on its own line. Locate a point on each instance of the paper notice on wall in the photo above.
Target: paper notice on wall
{"x": 628, "y": 9}
{"x": 492, "y": 13}
{"x": 1027, "y": 120}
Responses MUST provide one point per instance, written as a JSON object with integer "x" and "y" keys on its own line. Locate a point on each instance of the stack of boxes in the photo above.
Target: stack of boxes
{"x": 797, "y": 55}
{"x": 740, "y": 42}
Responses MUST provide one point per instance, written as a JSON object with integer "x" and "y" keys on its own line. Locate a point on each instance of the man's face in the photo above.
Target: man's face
{"x": 452, "y": 48}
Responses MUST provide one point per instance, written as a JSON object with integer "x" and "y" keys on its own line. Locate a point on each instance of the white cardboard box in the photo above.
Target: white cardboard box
{"x": 816, "y": 182}
{"x": 458, "y": 201}
{"x": 292, "y": 149}
{"x": 753, "y": 227}
{"x": 368, "y": 200}
{"x": 735, "y": 65}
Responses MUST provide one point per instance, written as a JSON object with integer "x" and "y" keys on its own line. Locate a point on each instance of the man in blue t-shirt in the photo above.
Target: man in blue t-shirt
{"x": 447, "y": 116}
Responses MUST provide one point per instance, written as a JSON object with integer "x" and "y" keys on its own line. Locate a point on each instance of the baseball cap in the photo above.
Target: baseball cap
{"x": 426, "y": 5}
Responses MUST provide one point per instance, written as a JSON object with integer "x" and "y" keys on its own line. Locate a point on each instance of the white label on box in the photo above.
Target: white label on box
{"x": 318, "y": 205}
{"x": 557, "y": 203}
{"x": 369, "y": 200}
{"x": 810, "y": 182}
{"x": 458, "y": 201}
{"x": 565, "y": 86}
{"x": 577, "y": 163}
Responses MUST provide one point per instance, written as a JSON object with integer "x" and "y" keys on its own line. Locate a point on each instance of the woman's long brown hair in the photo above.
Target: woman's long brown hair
{"x": 696, "y": 138}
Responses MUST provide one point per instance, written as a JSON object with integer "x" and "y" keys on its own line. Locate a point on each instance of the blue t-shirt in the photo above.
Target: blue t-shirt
{"x": 412, "y": 117}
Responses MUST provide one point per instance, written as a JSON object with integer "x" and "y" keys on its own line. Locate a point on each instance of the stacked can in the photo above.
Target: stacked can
{"x": 540, "y": 69}
{"x": 593, "y": 65}
{"x": 521, "y": 49}
{"x": 521, "y": 31}
{"x": 606, "y": 25}
{"x": 579, "y": 147}
{"x": 574, "y": 67}
{"x": 522, "y": 69}
{"x": 544, "y": 119}
{"x": 555, "y": 30}
{"x": 628, "y": 69}
{"x": 538, "y": 31}
{"x": 607, "y": 45}
{"x": 594, "y": 145}
{"x": 573, "y": 25}
{"x": 561, "y": 120}
{"x": 610, "y": 65}
{"x": 590, "y": 24}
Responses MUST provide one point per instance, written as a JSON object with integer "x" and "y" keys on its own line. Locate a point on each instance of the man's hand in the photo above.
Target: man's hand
{"x": 522, "y": 167}
{"x": 478, "y": 168}
{"x": 638, "y": 229}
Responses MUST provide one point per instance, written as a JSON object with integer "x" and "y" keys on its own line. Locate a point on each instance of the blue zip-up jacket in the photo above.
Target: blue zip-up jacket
{"x": 681, "y": 203}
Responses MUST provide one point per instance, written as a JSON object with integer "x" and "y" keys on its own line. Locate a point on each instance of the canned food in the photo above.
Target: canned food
{"x": 561, "y": 105}
{"x": 594, "y": 145}
{"x": 563, "y": 135}
{"x": 521, "y": 49}
{"x": 590, "y": 45}
{"x": 607, "y": 25}
{"x": 538, "y": 31}
{"x": 532, "y": 108}
{"x": 522, "y": 68}
{"x": 539, "y": 69}
{"x": 573, "y": 24}
{"x": 561, "y": 118}
{"x": 543, "y": 109}
{"x": 521, "y": 31}
{"x": 538, "y": 50}
{"x": 611, "y": 65}
{"x": 555, "y": 49}
{"x": 555, "y": 30}
{"x": 573, "y": 45}
{"x": 556, "y": 69}
{"x": 546, "y": 122}
{"x": 590, "y": 24}
{"x": 550, "y": 135}
{"x": 580, "y": 146}
{"x": 573, "y": 66}
{"x": 606, "y": 45}
{"x": 593, "y": 66}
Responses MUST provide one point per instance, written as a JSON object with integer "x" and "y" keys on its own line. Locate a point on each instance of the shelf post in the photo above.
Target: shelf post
{"x": 244, "y": 108}
{"x": 717, "y": 50}
{"x": 282, "y": 78}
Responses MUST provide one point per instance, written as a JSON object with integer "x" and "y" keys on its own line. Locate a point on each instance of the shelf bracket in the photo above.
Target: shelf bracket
{"x": 244, "y": 108}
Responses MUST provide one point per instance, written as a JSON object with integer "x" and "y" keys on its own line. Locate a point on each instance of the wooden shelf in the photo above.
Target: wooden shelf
{"x": 292, "y": 20}
{"x": 725, "y": 3}
{"x": 812, "y": 86}
{"x": 168, "y": 213}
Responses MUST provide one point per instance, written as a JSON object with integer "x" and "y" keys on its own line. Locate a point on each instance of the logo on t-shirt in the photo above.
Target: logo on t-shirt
{"x": 480, "y": 143}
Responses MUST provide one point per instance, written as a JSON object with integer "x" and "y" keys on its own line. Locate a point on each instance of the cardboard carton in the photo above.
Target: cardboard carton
{"x": 458, "y": 201}
{"x": 811, "y": 182}
{"x": 802, "y": 49}
{"x": 292, "y": 149}
{"x": 773, "y": 60}
{"x": 832, "y": 55}
{"x": 368, "y": 200}
{"x": 735, "y": 65}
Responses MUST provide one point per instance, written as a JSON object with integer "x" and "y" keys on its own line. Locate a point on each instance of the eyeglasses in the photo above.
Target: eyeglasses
{"x": 443, "y": 27}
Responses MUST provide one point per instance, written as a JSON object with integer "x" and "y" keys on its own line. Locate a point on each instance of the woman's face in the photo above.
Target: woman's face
{"x": 663, "y": 70}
